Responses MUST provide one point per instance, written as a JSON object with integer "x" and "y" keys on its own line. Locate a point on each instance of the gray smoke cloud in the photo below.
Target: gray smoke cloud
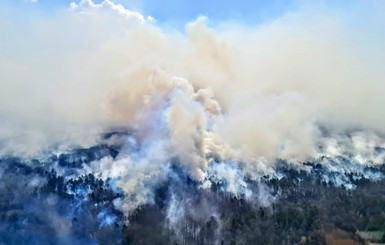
{"x": 304, "y": 85}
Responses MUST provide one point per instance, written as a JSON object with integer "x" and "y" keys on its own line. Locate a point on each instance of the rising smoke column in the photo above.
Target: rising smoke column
{"x": 304, "y": 85}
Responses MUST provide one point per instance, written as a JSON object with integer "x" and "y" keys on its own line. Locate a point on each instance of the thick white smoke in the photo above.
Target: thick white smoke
{"x": 304, "y": 85}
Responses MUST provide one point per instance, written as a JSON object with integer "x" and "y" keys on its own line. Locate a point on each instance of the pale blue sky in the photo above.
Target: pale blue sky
{"x": 177, "y": 13}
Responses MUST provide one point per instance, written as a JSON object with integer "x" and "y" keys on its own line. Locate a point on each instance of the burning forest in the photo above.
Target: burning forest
{"x": 117, "y": 127}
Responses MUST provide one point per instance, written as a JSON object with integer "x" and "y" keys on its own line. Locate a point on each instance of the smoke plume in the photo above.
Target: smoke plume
{"x": 222, "y": 102}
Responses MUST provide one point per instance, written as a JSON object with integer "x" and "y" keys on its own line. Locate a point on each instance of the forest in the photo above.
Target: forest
{"x": 305, "y": 206}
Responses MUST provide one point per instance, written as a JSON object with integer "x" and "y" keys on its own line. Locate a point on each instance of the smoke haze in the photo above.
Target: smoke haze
{"x": 298, "y": 87}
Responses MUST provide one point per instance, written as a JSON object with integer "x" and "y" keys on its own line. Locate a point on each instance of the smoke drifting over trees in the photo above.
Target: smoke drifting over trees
{"x": 115, "y": 125}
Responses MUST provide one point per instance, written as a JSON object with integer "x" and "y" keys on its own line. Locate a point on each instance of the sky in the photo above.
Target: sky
{"x": 182, "y": 11}
{"x": 176, "y": 13}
